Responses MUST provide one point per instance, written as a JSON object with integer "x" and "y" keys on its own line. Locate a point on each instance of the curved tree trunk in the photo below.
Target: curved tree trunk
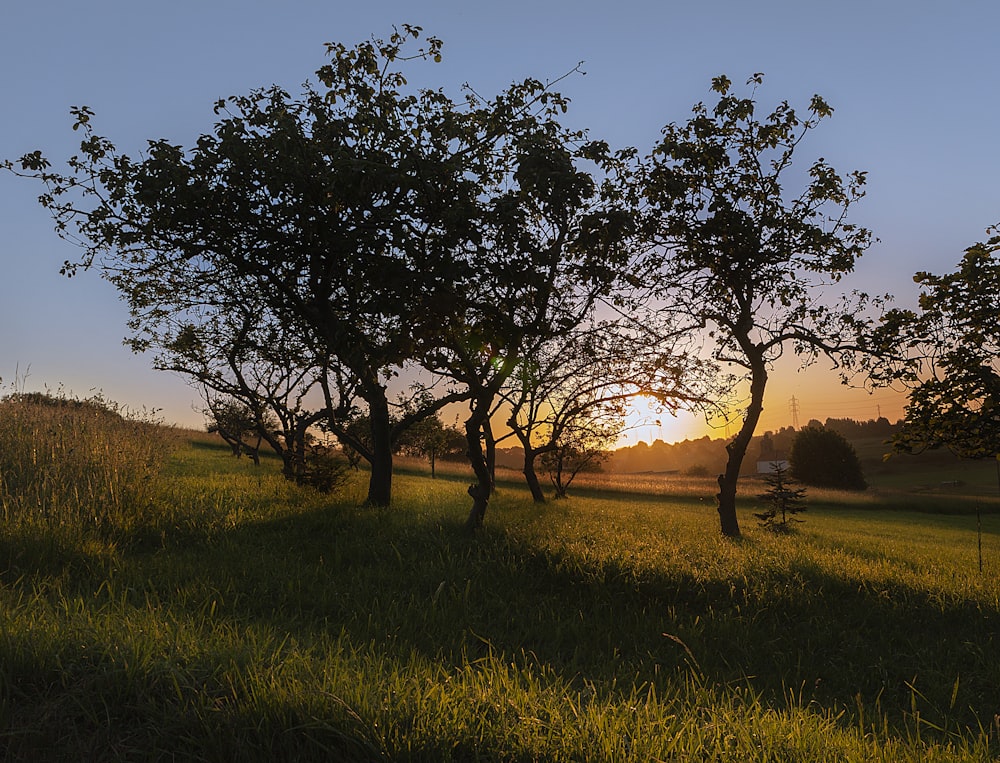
{"x": 380, "y": 481}
{"x": 481, "y": 490}
{"x": 531, "y": 477}
{"x": 491, "y": 452}
{"x": 737, "y": 449}
{"x": 557, "y": 473}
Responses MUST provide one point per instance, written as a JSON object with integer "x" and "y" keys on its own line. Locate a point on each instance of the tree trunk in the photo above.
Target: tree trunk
{"x": 288, "y": 470}
{"x": 481, "y": 490}
{"x": 491, "y": 452}
{"x": 294, "y": 456}
{"x": 380, "y": 481}
{"x": 531, "y": 477}
{"x": 234, "y": 443}
{"x": 737, "y": 449}
{"x": 557, "y": 480}
{"x": 254, "y": 450}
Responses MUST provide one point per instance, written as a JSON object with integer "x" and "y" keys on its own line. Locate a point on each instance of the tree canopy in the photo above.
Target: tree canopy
{"x": 739, "y": 257}
{"x": 318, "y": 224}
{"x": 548, "y": 243}
{"x": 309, "y": 248}
{"x": 949, "y": 356}
{"x": 824, "y": 458}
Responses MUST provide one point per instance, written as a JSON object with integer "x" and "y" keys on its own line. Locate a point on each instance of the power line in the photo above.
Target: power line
{"x": 794, "y": 406}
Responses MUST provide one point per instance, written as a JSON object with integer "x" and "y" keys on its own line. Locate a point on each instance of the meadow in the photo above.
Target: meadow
{"x": 162, "y": 600}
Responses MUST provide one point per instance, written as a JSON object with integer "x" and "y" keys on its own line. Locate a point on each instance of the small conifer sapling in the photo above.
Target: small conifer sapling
{"x": 783, "y": 499}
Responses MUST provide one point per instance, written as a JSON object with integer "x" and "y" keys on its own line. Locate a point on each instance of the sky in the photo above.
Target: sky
{"x": 914, "y": 86}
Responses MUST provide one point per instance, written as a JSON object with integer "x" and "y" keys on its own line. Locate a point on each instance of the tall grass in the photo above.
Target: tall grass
{"x": 78, "y": 465}
{"x": 268, "y": 622}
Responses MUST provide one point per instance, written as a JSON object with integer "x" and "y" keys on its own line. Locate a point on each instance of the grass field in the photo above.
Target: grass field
{"x": 228, "y": 615}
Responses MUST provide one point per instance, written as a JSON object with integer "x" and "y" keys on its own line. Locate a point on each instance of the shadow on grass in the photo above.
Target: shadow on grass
{"x": 399, "y": 585}
{"x": 220, "y": 446}
{"x": 428, "y": 587}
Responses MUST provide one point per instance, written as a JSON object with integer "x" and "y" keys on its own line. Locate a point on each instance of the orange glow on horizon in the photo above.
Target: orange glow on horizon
{"x": 817, "y": 393}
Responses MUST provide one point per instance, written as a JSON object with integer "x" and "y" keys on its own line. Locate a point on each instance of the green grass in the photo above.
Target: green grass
{"x": 69, "y": 465}
{"x": 933, "y": 472}
{"x": 246, "y": 619}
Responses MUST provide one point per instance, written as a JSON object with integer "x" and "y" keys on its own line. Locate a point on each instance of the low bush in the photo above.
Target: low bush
{"x": 824, "y": 458}
{"x": 324, "y": 469}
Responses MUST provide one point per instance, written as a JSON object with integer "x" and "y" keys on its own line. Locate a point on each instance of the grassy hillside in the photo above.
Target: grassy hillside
{"x": 241, "y": 618}
{"x": 929, "y": 472}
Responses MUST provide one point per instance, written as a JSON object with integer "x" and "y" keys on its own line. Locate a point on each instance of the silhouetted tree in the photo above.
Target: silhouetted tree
{"x": 547, "y": 243}
{"x": 236, "y": 424}
{"x": 430, "y": 438}
{"x": 824, "y": 458}
{"x": 244, "y": 358}
{"x": 337, "y": 214}
{"x": 583, "y": 381}
{"x": 578, "y": 451}
{"x": 744, "y": 260}
{"x": 784, "y": 501}
{"x": 950, "y": 358}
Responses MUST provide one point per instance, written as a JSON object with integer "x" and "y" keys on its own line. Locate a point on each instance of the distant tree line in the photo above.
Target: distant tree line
{"x": 857, "y": 430}
{"x": 707, "y": 455}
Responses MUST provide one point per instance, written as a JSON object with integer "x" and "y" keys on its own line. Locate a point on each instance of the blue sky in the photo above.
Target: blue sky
{"x": 914, "y": 86}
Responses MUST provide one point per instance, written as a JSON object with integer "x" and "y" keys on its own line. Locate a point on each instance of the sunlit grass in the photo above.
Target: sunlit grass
{"x": 248, "y": 619}
{"x": 78, "y": 466}
{"x": 943, "y": 490}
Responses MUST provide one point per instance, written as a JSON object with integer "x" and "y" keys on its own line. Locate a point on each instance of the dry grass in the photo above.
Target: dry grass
{"x": 78, "y": 464}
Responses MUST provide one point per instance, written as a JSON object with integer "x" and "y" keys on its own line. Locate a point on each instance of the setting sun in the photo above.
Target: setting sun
{"x": 647, "y": 421}
{"x": 794, "y": 397}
